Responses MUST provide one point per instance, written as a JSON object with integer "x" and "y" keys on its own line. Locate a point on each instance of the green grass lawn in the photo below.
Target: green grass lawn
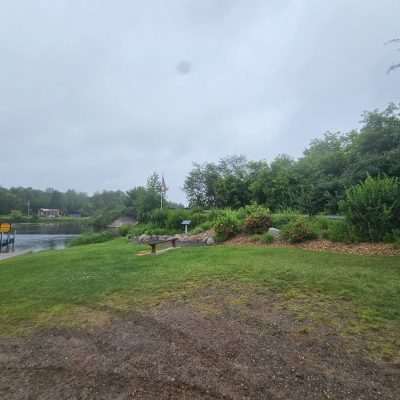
{"x": 35, "y": 288}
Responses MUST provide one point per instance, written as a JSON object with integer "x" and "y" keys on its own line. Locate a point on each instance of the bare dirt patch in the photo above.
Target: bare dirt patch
{"x": 219, "y": 344}
{"x": 366, "y": 249}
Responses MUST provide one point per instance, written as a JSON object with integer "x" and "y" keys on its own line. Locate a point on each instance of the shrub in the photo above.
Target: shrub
{"x": 372, "y": 208}
{"x": 171, "y": 219}
{"x": 255, "y": 238}
{"x": 159, "y": 218}
{"x": 175, "y": 218}
{"x": 199, "y": 218}
{"x": 258, "y": 220}
{"x": 321, "y": 223}
{"x": 16, "y": 216}
{"x": 91, "y": 238}
{"x": 104, "y": 218}
{"x": 226, "y": 225}
{"x": 267, "y": 238}
{"x": 340, "y": 231}
{"x": 124, "y": 230}
{"x": 299, "y": 230}
{"x": 205, "y": 226}
{"x": 281, "y": 219}
{"x": 137, "y": 230}
{"x": 392, "y": 237}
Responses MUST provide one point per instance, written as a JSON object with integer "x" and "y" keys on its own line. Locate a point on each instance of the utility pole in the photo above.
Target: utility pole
{"x": 29, "y": 208}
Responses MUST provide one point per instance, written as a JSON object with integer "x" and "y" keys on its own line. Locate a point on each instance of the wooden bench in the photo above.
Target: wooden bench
{"x": 154, "y": 243}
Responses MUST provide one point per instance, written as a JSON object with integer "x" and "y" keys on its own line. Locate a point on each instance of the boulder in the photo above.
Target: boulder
{"x": 275, "y": 233}
{"x": 144, "y": 238}
{"x": 210, "y": 241}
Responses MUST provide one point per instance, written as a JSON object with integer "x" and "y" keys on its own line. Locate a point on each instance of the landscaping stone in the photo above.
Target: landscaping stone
{"x": 144, "y": 238}
{"x": 275, "y": 233}
{"x": 210, "y": 241}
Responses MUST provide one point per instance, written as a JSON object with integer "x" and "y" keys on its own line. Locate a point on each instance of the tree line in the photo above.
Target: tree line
{"x": 71, "y": 201}
{"x": 104, "y": 206}
{"x": 314, "y": 183}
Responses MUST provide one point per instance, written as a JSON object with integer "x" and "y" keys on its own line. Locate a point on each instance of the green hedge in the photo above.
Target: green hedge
{"x": 91, "y": 238}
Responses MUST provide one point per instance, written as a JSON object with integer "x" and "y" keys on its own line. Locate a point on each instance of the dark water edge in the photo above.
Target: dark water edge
{"x": 39, "y": 242}
{"x": 56, "y": 228}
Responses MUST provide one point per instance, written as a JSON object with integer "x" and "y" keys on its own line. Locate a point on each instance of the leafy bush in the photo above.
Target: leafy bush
{"x": 158, "y": 218}
{"x": 299, "y": 230}
{"x": 372, "y": 208}
{"x": 226, "y": 225}
{"x": 90, "y": 238}
{"x": 205, "y": 226}
{"x": 392, "y": 237}
{"x": 104, "y": 218}
{"x": 255, "y": 238}
{"x": 16, "y": 216}
{"x": 321, "y": 223}
{"x": 175, "y": 218}
{"x": 267, "y": 238}
{"x": 171, "y": 219}
{"x": 257, "y": 220}
{"x": 281, "y": 219}
{"x": 149, "y": 229}
{"x": 340, "y": 231}
{"x": 124, "y": 230}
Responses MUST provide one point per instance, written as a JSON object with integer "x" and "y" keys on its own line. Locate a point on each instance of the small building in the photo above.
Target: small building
{"x": 49, "y": 212}
{"x": 74, "y": 214}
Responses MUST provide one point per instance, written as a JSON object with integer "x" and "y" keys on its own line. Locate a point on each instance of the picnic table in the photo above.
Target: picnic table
{"x": 154, "y": 243}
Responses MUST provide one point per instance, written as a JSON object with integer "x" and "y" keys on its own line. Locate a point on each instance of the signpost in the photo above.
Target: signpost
{"x": 7, "y": 236}
{"x": 186, "y": 223}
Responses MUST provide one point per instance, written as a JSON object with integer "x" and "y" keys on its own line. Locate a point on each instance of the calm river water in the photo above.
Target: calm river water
{"x": 45, "y": 236}
{"x": 38, "y": 242}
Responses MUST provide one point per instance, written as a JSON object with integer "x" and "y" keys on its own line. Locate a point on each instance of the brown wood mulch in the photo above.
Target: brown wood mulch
{"x": 367, "y": 249}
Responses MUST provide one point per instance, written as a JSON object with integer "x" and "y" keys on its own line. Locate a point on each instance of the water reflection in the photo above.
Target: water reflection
{"x": 56, "y": 228}
{"x": 37, "y": 242}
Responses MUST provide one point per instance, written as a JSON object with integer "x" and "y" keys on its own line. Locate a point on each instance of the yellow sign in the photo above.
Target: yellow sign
{"x": 5, "y": 228}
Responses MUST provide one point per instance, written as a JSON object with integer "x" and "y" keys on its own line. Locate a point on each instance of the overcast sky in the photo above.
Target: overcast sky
{"x": 98, "y": 94}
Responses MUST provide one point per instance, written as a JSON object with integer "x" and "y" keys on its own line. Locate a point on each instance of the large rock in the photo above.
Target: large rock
{"x": 275, "y": 233}
{"x": 210, "y": 241}
{"x": 144, "y": 238}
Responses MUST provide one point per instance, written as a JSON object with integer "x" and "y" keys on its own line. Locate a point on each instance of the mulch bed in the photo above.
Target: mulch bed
{"x": 368, "y": 249}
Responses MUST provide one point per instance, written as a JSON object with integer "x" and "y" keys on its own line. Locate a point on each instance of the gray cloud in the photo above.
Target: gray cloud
{"x": 97, "y": 95}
